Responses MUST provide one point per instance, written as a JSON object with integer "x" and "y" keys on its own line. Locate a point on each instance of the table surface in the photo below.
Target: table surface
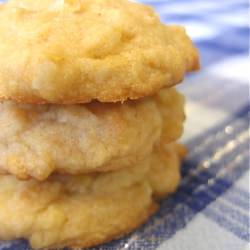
{"x": 211, "y": 208}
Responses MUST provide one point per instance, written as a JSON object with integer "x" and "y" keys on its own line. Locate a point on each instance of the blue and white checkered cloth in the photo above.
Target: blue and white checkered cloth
{"x": 210, "y": 211}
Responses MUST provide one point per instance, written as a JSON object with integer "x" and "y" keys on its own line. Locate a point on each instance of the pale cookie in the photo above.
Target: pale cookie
{"x": 86, "y": 210}
{"x": 37, "y": 140}
{"x": 75, "y": 51}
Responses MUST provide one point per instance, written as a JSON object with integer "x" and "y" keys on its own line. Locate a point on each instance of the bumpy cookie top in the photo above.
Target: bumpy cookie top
{"x": 39, "y": 140}
{"x": 86, "y": 210}
{"x": 75, "y": 51}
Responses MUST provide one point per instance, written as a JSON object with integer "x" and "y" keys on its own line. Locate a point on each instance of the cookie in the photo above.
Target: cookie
{"x": 87, "y": 210}
{"x": 37, "y": 140}
{"x": 76, "y": 51}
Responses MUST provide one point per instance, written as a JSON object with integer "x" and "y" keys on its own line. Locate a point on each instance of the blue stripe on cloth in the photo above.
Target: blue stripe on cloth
{"x": 213, "y": 52}
{"x": 235, "y": 223}
{"x": 231, "y": 226}
{"x": 227, "y": 8}
{"x": 15, "y": 245}
{"x": 236, "y": 196}
{"x": 231, "y": 44}
{"x": 232, "y": 214}
{"x": 206, "y": 11}
{"x": 216, "y": 190}
{"x": 240, "y": 197}
{"x": 171, "y": 18}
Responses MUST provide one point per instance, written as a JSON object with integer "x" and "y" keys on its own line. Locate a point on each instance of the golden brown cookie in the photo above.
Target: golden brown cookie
{"x": 37, "y": 140}
{"x": 76, "y": 51}
{"x": 86, "y": 210}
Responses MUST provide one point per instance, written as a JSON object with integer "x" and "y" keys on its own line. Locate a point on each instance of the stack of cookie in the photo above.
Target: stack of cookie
{"x": 89, "y": 118}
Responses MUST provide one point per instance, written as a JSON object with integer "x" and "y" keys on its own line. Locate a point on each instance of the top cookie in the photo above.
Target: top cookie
{"x": 75, "y": 51}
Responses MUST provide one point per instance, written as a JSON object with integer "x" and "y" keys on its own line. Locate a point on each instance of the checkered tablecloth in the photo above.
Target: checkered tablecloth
{"x": 210, "y": 211}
